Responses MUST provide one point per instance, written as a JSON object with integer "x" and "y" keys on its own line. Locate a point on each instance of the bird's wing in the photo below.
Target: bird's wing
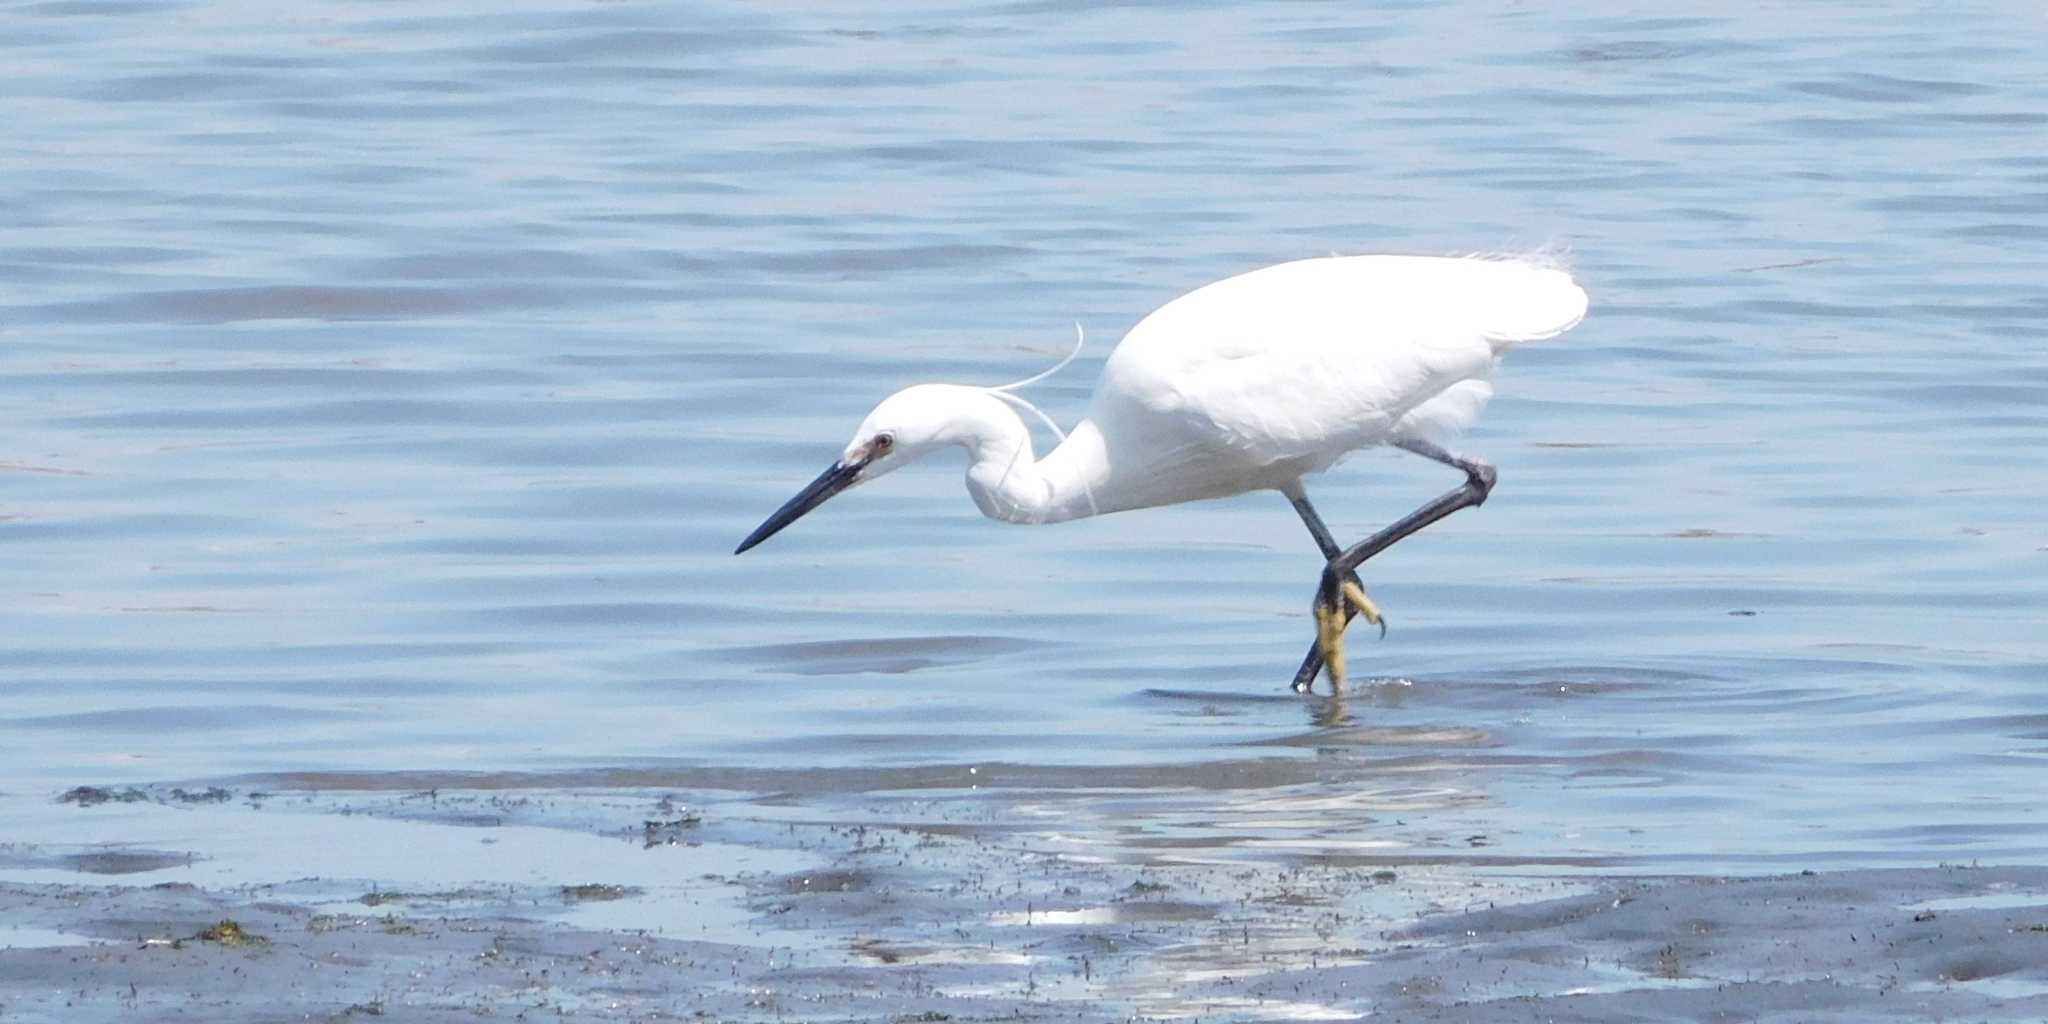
{"x": 1304, "y": 361}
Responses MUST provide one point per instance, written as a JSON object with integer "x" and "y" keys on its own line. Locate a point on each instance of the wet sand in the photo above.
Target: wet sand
{"x": 583, "y": 903}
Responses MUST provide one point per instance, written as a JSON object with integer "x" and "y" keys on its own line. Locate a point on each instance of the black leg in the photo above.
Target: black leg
{"x": 1305, "y": 677}
{"x": 1478, "y": 484}
{"x": 1479, "y": 479}
{"x": 1314, "y": 522}
{"x": 1311, "y": 664}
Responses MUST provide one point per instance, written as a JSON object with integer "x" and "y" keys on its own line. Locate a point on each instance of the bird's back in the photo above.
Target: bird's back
{"x": 1256, "y": 379}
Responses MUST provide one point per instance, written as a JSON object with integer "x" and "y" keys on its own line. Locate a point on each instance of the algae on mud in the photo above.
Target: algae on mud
{"x": 993, "y": 918}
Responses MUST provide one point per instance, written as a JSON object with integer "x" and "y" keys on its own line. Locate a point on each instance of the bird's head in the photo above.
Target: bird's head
{"x": 907, "y": 426}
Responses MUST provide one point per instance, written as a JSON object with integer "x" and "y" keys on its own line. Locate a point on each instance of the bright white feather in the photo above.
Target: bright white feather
{"x": 1253, "y": 381}
{"x": 1246, "y": 384}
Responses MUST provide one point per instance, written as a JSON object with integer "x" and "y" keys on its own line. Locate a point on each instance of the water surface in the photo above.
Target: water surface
{"x": 384, "y": 393}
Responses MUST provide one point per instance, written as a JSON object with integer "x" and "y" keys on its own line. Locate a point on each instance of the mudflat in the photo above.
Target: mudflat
{"x": 619, "y": 904}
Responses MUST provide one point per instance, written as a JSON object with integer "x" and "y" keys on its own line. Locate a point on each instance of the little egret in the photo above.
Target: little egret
{"x": 1250, "y": 383}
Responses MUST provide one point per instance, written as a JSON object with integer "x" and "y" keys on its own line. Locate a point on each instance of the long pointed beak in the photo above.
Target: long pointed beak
{"x": 837, "y": 478}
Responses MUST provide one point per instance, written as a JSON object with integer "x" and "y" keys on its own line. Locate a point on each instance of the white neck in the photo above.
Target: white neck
{"x": 1009, "y": 483}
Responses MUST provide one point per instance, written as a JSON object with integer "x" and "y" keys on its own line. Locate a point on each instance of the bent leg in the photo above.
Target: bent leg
{"x": 1333, "y": 611}
{"x": 1479, "y": 481}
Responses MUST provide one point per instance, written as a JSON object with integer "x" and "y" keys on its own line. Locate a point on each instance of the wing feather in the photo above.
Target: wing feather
{"x": 1302, "y": 362}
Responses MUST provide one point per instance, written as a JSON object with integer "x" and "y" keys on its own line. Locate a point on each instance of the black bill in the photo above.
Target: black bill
{"x": 833, "y": 480}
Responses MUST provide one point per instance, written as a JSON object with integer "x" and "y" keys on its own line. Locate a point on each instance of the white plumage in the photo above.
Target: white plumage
{"x": 1258, "y": 379}
{"x": 1250, "y": 383}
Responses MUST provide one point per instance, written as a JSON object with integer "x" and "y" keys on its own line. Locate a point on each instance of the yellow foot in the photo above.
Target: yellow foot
{"x": 1330, "y": 640}
{"x": 1331, "y": 618}
{"x": 1354, "y": 592}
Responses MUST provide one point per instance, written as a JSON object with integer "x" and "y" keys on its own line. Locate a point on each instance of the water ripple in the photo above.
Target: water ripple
{"x": 385, "y": 390}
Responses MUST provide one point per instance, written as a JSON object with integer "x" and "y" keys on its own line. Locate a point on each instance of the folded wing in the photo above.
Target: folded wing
{"x": 1296, "y": 364}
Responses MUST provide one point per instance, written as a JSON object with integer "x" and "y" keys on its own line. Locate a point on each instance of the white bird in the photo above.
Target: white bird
{"x": 1250, "y": 383}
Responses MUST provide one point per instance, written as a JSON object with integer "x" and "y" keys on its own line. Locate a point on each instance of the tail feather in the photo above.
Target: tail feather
{"x": 1529, "y": 300}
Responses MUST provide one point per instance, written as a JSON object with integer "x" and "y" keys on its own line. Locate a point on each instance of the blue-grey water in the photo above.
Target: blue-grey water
{"x": 383, "y": 389}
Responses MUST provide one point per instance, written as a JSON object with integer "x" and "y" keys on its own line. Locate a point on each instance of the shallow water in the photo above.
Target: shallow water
{"x": 384, "y": 393}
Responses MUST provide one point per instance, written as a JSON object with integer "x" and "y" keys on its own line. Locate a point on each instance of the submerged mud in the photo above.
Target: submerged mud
{"x": 620, "y": 904}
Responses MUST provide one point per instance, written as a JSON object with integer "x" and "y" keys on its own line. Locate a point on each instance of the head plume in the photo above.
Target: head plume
{"x": 1005, "y": 392}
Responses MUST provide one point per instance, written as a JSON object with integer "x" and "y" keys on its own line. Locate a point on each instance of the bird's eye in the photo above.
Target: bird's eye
{"x": 883, "y": 442}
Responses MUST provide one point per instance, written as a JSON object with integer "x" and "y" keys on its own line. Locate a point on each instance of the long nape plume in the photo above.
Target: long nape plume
{"x": 1003, "y": 391}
